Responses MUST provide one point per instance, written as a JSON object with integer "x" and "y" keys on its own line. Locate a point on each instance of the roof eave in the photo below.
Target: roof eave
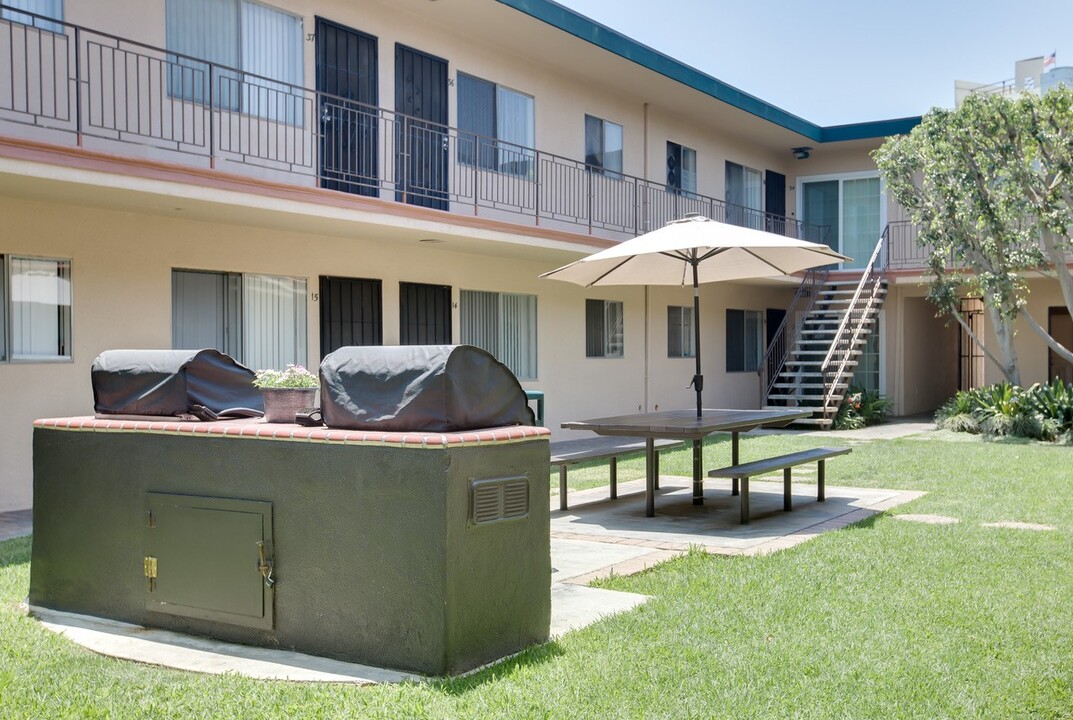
{"x": 568, "y": 21}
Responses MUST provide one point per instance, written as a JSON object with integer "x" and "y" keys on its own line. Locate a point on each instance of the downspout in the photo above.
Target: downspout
{"x": 644, "y": 174}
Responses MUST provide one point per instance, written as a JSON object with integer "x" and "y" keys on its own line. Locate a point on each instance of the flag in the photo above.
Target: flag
{"x": 1048, "y": 62}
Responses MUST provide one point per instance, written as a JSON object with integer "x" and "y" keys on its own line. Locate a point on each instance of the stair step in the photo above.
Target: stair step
{"x": 847, "y": 289}
{"x": 806, "y": 386}
{"x": 809, "y": 320}
{"x": 799, "y": 398}
{"x": 816, "y": 363}
{"x": 818, "y": 421}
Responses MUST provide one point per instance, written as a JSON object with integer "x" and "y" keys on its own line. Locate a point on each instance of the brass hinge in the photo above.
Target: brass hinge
{"x": 150, "y": 571}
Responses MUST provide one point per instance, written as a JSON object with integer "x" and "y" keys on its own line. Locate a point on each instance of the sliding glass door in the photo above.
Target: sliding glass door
{"x": 851, "y": 207}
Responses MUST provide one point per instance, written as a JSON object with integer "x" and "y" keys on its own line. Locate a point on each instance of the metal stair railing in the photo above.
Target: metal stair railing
{"x": 774, "y": 359}
{"x": 849, "y": 330}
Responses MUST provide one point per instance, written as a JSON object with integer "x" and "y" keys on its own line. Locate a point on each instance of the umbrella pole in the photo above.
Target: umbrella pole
{"x": 698, "y": 385}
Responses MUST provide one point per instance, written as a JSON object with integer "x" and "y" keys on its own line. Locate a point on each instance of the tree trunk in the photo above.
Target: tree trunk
{"x": 1004, "y": 334}
{"x": 1062, "y": 352}
{"x": 1056, "y": 251}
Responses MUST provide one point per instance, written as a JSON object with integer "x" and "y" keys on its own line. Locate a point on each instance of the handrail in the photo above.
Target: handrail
{"x": 839, "y": 344}
{"x": 108, "y": 89}
{"x": 786, "y": 334}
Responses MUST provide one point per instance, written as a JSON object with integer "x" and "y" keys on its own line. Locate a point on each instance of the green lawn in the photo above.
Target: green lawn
{"x": 884, "y": 619}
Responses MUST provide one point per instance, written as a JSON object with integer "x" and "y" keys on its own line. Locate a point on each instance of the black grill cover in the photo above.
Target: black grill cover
{"x": 171, "y": 382}
{"x": 437, "y": 388}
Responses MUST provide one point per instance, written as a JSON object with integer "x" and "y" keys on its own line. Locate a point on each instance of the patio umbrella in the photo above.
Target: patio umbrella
{"x": 696, "y": 250}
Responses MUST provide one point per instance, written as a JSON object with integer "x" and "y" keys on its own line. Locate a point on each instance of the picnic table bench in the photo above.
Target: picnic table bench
{"x": 570, "y": 452}
{"x": 786, "y": 463}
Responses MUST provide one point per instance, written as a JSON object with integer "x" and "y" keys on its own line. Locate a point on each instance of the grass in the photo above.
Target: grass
{"x": 884, "y": 619}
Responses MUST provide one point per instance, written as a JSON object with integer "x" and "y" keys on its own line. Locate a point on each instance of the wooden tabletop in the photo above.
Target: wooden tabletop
{"x": 686, "y": 425}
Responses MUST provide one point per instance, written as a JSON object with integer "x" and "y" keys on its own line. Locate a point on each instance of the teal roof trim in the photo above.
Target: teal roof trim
{"x": 862, "y": 131}
{"x": 615, "y": 42}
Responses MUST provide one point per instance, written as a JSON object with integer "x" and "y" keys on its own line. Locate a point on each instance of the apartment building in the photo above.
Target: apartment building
{"x": 279, "y": 179}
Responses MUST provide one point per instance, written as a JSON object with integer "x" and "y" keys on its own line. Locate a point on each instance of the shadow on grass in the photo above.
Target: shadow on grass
{"x": 15, "y": 551}
{"x": 536, "y": 655}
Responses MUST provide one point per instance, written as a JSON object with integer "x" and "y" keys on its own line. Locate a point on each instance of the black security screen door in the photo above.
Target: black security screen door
{"x": 350, "y": 313}
{"x": 775, "y": 202}
{"x": 424, "y": 314}
{"x": 347, "y": 87}
{"x": 421, "y": 143}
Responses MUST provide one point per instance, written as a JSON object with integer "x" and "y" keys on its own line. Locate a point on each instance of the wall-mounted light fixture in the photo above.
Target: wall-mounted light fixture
{"x": 800, "y": 153}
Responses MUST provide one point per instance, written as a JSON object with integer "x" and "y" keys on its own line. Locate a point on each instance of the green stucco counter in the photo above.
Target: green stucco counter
{"x": 426, "y": 552}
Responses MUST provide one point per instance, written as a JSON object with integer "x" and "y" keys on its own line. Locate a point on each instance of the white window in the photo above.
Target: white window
{"x": 236, "y": 35}
{"x": 260, "y": 320}
{"x": 681, "y": 168}
{"x": 504, "y": 324}
{"x": 680, "y": 333}
{"x": 603, "y": 146}
{"x": 35, "y": 315}
{"x": 744, "y": 196}
{"x": 497, "y": 127}
{"x": 744, "y": 340}
{"x": 46, "y": 8}
{"x": 603, "y": 329}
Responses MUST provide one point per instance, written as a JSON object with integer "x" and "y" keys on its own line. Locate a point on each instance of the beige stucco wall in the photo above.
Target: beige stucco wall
{"x": 926, "y": 355}
{"x": 1031, "y": 351}
{"x": 922, "y": 350}
{"x": 121, "y": 278}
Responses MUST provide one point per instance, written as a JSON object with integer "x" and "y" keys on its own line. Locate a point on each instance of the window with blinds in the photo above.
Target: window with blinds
{"x": 604, "y": 329}
{"x": 35, "y": 308}
{"x": 497, "y": 130}
{"x": 237, "y": 37}
{"x": 603, "y": 146}
{"x": 744, "y": 196}
{"x": 680, "y": 333}
{"x": 45, "y": 8}
{"x": 744, "y": 337}
{"x": 504, "y": 324}
{"x": 681, "y": 168}
{"x": 260, "y": 320}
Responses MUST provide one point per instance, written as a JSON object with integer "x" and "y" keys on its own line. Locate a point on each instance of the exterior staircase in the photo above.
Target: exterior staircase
{"x": 814, "y": 355}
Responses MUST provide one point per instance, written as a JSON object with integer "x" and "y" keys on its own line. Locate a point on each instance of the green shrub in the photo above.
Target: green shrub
{"x": 1042, "y": 412}
{"x": 961, "y": 422}
{"x": 962, "y": 404}
{"x": 860, "y": 408}
{"x": 1053, "y": 401}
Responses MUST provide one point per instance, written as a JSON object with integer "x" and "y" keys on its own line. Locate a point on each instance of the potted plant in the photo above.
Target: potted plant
{"x": 286, "y": 392}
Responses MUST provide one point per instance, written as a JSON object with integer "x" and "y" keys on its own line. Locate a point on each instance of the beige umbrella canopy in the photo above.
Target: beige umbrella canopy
{"x": 695, "y": 250}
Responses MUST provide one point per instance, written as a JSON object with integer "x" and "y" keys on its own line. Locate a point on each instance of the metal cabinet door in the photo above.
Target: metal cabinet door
{"x": 210, "y": 558}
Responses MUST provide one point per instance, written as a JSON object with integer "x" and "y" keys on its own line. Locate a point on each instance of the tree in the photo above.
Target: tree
{"x": 990, "y": 185}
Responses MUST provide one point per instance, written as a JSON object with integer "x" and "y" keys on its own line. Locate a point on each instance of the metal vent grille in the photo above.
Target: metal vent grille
{"x": 498, "y": 499}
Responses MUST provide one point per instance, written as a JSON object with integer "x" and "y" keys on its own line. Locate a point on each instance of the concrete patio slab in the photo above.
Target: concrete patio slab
{"x": 714, "y": 526}
{"x": 928, "y": 519}
{"x": 574, "y": 606}
{"x": 186, "y": 652}
{"x": 16, "y": 524}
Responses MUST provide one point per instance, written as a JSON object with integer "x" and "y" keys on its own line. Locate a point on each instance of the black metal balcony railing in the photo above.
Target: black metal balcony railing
{"x": 903, "y": 252}
{"x": 112, "y": 94}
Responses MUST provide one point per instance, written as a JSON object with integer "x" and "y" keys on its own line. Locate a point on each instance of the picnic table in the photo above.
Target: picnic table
{"x": 685, "y": 425}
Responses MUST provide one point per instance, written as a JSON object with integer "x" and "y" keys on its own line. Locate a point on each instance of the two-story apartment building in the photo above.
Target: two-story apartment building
{"x": 279, "y": 179}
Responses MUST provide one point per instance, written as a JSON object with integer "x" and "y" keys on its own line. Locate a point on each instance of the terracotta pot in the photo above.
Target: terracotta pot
{"x": 281, "y": 404}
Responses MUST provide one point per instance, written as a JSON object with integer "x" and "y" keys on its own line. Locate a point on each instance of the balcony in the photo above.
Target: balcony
{"x": 67, "y": 85}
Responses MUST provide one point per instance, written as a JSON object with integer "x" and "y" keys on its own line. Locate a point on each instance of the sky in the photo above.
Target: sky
{"x": 833, "y": 62}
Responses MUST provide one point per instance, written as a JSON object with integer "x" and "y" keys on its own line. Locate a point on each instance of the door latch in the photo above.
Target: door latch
{"x": 264, "y": 565}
